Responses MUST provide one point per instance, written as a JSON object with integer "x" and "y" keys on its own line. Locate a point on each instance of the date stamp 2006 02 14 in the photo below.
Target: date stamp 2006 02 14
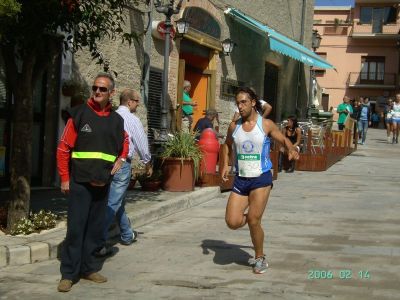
{"x": 344, "y": 274}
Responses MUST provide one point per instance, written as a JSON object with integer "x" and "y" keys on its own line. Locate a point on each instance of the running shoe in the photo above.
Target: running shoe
{"x": 389, "y": 139}
{"x": 260, "y": 265}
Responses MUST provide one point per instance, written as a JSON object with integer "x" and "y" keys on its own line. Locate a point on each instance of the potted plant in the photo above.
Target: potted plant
{"x": 150, "y": 183}
{"x": 180, "y": 162}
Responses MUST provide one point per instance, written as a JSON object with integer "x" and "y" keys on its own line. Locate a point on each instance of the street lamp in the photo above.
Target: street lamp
{"x": 227, "y": 46}
{"x": 182, "y": 26}
{"x": 316, "y": 40}
{"x": 315, "y": 43}
{"x": 167, "y": 8}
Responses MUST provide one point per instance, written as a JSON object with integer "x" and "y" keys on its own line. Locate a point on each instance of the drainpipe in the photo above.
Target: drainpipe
{"x": 299, "y": 64}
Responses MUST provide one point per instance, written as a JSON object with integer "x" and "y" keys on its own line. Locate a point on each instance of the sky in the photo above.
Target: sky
{"x": 334, "y": 2}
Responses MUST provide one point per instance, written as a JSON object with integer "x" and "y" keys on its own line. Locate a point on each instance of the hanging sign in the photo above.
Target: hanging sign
{"x": 159, "y": 28}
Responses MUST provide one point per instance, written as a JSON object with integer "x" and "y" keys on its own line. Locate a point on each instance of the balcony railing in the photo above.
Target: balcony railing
{"x": 372, "y": 79}
{"x": 335, "y": 30}
{"x": 375, "y": 29}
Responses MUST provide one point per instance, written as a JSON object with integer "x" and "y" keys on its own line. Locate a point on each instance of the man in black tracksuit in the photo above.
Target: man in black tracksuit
{"x": 92, "y": 148}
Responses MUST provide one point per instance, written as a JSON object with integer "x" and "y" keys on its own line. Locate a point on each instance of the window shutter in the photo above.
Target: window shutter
{"x": 154, "y": 103}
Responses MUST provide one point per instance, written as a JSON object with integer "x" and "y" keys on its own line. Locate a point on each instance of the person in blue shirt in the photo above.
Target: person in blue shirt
{"x": 375, "y": 119}
{"x": 364, "y": 120}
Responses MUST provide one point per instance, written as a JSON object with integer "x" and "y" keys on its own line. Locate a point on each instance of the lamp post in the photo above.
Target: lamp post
{"x": 182, "y": 26}
{"x": 167, "y": 8}
{"x": 315, "y": 43}
{"x": 227, "y": 46}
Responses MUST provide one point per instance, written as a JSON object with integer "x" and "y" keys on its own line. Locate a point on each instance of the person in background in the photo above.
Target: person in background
{"x": 356, "y": 116}
{"x": 387, "y": 119}
{"x": 129, "y": 101}
{"x": 187, "y": 106}
{"x": 375, "y": 119}
{"x": 396, "y": 119}
{"x": 93, "y": 147}
{"x": 365, "y": 119}
{"x": 293, "y": 132}
{"x": 206, "y": 122}
{"x": 344, "y": 110}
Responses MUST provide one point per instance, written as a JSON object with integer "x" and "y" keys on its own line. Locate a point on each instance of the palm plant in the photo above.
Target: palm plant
{"x": 183, "y": 145}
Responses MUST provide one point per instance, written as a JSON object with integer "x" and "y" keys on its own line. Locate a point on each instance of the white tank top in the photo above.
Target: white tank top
{"x": 396, "y": 111}
{"x": 252, "y": 150}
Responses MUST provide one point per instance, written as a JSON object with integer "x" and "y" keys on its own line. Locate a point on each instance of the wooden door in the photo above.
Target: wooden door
{"x": 199, "y": 92}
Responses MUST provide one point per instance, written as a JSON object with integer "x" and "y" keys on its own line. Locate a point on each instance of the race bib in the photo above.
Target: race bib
{"x": 249, "y": 165}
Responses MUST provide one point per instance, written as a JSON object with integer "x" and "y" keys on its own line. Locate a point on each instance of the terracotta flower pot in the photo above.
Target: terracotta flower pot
{"x": 178, "y": 175}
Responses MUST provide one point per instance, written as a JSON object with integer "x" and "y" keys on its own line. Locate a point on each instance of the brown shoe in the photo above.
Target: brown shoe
{"x": 64, "y": 285}
{"x": 95, "y": 277}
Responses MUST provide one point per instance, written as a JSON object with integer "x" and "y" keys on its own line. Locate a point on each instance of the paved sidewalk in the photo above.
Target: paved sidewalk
{"x": 142, "y": 208}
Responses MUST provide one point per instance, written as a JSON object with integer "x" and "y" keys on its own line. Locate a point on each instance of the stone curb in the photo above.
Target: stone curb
{"x": 164, "y": 209}
{"x": 48, "y": 246}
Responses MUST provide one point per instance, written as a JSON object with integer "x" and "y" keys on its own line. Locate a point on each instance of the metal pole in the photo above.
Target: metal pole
{"x": 168, "y": 10}
{"x": 164, "y": 101}
{"x": 310, "y": 97}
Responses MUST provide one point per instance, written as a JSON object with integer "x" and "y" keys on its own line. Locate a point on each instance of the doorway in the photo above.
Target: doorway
{"x": 271, "y": 87}
{"x": 325, "y": 102}
{"x": 194, "y": 63}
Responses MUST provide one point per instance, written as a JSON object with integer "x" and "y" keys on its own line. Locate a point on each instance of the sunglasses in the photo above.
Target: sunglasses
{"x": 102, "y": 89}
{"x": 136, "y": 100}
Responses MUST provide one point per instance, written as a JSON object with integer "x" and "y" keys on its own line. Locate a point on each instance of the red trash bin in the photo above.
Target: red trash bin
{"x": 209, "y": 145}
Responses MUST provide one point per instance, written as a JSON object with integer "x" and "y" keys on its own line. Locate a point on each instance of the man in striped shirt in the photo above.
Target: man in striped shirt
{"x": 129, "y": 101}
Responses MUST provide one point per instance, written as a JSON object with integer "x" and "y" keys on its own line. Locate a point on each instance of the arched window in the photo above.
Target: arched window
{"x": 202, "y": 21}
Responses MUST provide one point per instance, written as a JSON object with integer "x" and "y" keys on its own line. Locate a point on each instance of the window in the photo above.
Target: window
{"x": 385, "y": 15}
{"x": 154, "y": 103}
{"x": 366, "y": 15}
{"x": 372, "y": 69}
{"x": 229, "y": 88}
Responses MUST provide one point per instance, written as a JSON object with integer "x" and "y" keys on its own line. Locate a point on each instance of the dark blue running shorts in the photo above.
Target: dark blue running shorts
{"x": 243, "y": 185}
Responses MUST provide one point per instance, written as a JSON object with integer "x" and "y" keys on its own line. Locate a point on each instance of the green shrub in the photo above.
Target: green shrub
{"x": 35, "y": 223}
{"x": 44, "y": 220}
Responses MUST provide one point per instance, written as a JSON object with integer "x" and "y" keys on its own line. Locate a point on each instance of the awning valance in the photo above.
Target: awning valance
{"x": 279, "y": 42}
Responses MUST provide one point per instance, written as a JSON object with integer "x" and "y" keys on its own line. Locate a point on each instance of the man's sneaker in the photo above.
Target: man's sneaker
{"x": 127, "y": 243}
{"x": 260, "y": 265}
{"x": 389, "y": 139}
{"x": 64, "y": 285}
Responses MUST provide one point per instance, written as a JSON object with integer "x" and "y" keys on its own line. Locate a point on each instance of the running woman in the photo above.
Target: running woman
{"x": 396, "y": 119}
{"x": 250, "y": 136}
{"x": 387, "y": 114}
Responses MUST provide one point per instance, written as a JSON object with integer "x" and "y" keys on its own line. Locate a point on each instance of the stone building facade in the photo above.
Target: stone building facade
{"x": 196, "y": 56}
{"x": 275, "y": 77}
